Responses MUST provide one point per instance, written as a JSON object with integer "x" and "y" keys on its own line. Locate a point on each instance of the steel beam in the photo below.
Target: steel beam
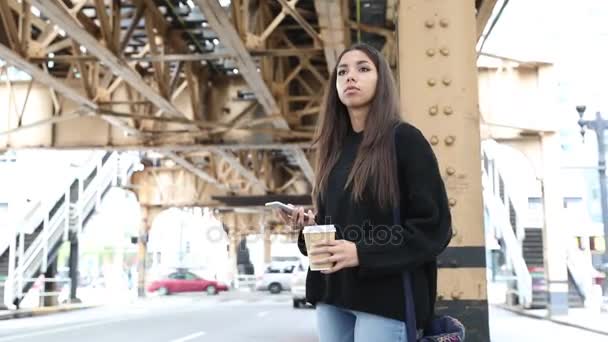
{"x": 42, "y": 77}
{"x": 117, "y": 66}
{"x": 293, "y": 12}
{"x": 484, "y": 13}
{"x": 196, "y": 171}
{"x": 259, "y": 201}
{"x": 220, "y": 23}
{"x": 64, "y": 117}
{"x": 180, "y": 148}
{"x": 45, "y": 78}
{"x": 195, "y": 57}
{"x": 304, "y": 164}
{"x": 236, "y": 164}
{"x": 332, "y": 21}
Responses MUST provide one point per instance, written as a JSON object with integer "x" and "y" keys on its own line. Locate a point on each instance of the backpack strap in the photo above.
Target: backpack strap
{"x": 410, "y": 312}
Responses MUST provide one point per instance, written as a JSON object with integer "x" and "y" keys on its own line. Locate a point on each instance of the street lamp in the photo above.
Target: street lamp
{"x": 598, "y": 125}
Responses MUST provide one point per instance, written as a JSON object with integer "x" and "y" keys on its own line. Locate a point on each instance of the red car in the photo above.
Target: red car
{"x": 186, "y": 282}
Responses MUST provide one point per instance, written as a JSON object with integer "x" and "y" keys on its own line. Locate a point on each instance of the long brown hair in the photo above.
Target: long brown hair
{"x": 374, "y": 166}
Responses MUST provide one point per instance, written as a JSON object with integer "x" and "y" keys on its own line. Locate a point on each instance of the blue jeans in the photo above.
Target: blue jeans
{"x": 342, "y": 325}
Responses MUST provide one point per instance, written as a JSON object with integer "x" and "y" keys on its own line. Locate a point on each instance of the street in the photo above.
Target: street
{"x": 196, "y": 317}
{"x": 231, "y": 317}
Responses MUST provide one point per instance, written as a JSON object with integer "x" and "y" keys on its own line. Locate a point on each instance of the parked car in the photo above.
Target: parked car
{"x": 186, "y": 282}
{"x": 276, "y": 278}
{"x": 298, "y": 284}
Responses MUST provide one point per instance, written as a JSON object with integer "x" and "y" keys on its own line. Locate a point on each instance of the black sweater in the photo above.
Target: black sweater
{"x": 375, "y": 286}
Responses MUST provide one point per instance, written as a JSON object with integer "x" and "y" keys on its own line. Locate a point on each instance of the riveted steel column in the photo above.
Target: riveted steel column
{"x": 147, "y": 217}
{"x": 438, "y": 86}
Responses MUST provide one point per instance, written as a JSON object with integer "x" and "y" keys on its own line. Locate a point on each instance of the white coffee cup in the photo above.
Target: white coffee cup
{"x": 316, "y": 235}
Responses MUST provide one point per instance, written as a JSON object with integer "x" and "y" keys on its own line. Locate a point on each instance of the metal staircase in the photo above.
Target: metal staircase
{"x": 533, "y": 256}
{"x": 44, "y": 225}
{"x": 503, "y": 216}
{"x": 524, "y": 245}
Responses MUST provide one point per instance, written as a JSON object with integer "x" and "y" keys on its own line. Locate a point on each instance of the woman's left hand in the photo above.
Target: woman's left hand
{"x": 343, "y": 254}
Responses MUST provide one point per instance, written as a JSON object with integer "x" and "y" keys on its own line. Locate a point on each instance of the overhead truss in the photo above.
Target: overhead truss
{"x": 231, "y": 94}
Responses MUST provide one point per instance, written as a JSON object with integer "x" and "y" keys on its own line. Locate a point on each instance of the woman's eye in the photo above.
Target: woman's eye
{"x": 364, "y": 69}
{"x": 341, "y": 72}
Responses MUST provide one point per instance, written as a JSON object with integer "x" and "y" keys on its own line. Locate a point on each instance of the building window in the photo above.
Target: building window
{"x": 572, "y": 202}
{"x": 534, "y": 203}
{"x": 597, "y": 244}
{"x": 579, "y": 243}
{"x": 535, "y": 212}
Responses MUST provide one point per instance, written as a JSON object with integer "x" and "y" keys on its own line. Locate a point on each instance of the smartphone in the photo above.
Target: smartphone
{"x": 287, "y": 209}
{"x": 279, "y": 205}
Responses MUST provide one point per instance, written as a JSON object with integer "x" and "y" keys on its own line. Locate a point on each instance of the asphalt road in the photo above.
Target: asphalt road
{"x": 173, "y": 319}
{"x": 230, "y": 318}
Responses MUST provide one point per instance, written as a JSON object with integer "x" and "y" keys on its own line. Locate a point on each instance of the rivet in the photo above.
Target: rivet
{"x": 444, "y": 22}
{"x": 429, "y": 23}
{"x": 431, "y": 82}
{"x": 430, "y": 52}
{"x": 434, "y": 140}
{"x": 449, "y": 140}
{"x": 456, "y": 294}
{"x": 452, "y": 202}
{"x": 445, "y": 51}
{"x": 447, "y": 81}
{"x": 447, "y": 110}
{"x": 433, "y": 110}
{"x": 450, "y": 170}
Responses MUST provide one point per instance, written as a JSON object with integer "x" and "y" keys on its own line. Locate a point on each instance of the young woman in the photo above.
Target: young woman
{"x": 368, "y": 163}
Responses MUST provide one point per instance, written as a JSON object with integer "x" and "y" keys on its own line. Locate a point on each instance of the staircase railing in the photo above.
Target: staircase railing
{"x": 500, "y": 207}
{"x": 92, "y": 183}
{"x": 49, "y": 220}
{"x": 52, "y": 220}
{"x": 581, "y": 271}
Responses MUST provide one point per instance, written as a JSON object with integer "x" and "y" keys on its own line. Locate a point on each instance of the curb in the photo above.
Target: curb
{"x": 42, "y": 311}
{"x": 573, "y": 325}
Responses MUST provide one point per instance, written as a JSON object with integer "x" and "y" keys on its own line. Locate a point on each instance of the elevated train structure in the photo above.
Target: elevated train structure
{"x": 222, "y": 99}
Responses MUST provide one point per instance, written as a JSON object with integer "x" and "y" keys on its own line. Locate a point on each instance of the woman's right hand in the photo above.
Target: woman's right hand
{"x": 298, "y": 219}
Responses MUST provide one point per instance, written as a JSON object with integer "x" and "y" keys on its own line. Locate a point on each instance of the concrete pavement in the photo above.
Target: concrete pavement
{"x": 506, "y": 326}
{"x": 40, "y": 311}
{"x": 578, "y": 318}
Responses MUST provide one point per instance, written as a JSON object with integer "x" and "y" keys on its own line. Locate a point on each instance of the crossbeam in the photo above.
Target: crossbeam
{"x": 117, "y": 66}
{"x": 220, "y": 23}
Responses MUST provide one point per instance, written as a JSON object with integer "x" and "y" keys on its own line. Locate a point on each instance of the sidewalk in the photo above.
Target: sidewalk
{"x": 577, "y": 318}
{"x": 90, "y": 298}
{"x": 40, "y": 311}
{"x": 586, "y": 319}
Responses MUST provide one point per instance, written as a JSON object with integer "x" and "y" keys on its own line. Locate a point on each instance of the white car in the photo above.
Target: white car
{"x": 298, "y": 284}
{"x": 276, "y": 278}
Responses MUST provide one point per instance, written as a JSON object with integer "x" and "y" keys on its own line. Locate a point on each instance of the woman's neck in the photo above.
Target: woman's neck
{"x": 357, "y": 118}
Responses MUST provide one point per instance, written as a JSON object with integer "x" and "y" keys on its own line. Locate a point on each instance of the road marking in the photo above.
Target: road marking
{"x": 57, "y": 330}
{"x": 190, "y": 337}
{"x": 262, "y": 313}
